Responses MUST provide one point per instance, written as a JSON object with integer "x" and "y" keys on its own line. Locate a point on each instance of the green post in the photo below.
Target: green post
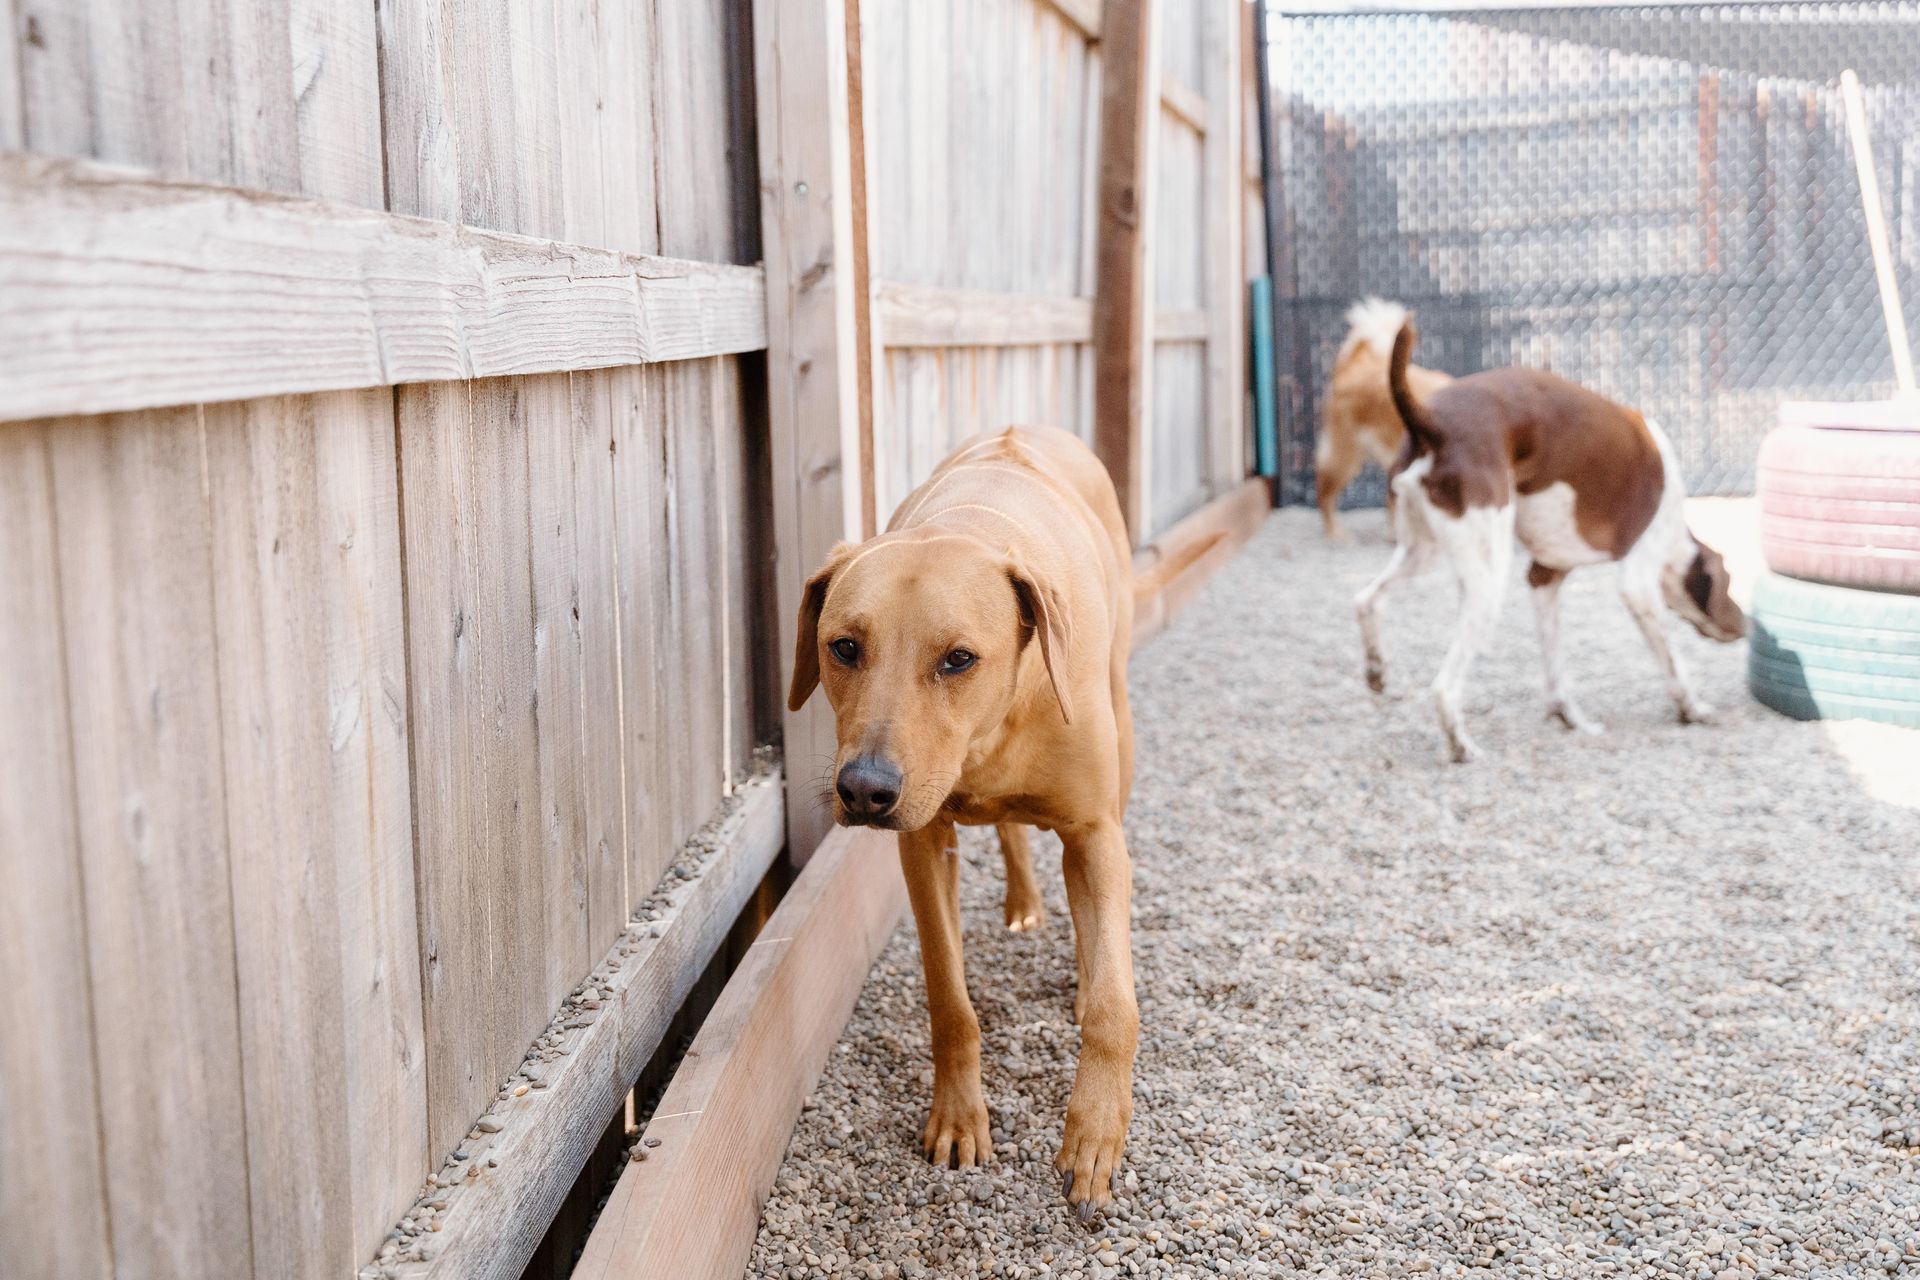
{"x": 1266, "y": 450}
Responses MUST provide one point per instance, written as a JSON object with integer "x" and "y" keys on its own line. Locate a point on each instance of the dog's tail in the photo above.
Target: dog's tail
{"x": 1420, "y": 428}
{"x": 1154, "y": 567}
{"x": 1371, "y": 322}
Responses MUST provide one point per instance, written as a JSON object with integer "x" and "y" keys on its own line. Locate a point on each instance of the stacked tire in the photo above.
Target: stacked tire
{"x": 1836, "y": 623}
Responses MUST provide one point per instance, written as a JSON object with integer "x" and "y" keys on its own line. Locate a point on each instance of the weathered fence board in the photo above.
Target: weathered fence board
{"x": 312, "y": 680}
{"x": 214, "y": 294}
{"x": 475, "y": 735}
{"x": 135, "y": 542}
{"x": 494, "y": 1218}
{"x": 53, "y": 1221}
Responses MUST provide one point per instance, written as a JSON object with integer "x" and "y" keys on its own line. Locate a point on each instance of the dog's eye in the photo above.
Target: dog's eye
{"x": 956, "y": 661}
{"x": 846, "y": 650}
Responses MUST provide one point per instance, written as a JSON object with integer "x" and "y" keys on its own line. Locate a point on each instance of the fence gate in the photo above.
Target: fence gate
{"x": 1657, "y": 201}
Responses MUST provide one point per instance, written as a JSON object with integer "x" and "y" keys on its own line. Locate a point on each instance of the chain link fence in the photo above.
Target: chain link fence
{"x": 1658, "y": 202}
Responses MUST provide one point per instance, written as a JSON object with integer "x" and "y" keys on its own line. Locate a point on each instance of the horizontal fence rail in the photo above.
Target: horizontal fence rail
{"x": 125, "y": 291}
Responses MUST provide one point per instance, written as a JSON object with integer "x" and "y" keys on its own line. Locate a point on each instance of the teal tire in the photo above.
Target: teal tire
{"x": 1819, "y": 652}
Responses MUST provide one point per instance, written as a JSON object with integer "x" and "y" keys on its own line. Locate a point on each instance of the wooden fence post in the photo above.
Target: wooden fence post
{"x": 816, "y": 398}
{"x": 1123, "y": 291}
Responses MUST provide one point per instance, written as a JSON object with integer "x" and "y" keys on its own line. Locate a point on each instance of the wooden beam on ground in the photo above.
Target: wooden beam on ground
{"x": 1122, "y": 309}
{"x": 126, "y": 291}
{"x": 1185, "y": 102}
{"x": 929, "y": 316}
{"x": 1228, "y": 522}
{"x": 1222, "y": 173}
{"x": 690, "y": 1209}
{"x": 500, "y": 1199}
{"x": 815, "y": 392}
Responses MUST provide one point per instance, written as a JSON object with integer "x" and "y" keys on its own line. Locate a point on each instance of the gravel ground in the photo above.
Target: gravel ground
{"x": 1646, "y": 1004}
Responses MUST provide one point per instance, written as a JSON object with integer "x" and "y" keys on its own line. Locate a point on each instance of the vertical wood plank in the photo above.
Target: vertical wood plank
{"x": 52, "y": 1198}
{"x": 625, "y": 65}
{"x": 476, "y": 756}
{"x": 693, "y": 601}
{"x": 306, "y": 570}
{"x": 1123, "y": 297}
{"x": 603, "y": 766}
{"x": 13, "y": 125}
{"x": 1223, "y": 187}
{"x": 693, "y": 180}
{"x": 560, "y": 858}
{"x": 800, "y": 69}
{"x": 137, "y": 612}
{"x": 640, "y": 541}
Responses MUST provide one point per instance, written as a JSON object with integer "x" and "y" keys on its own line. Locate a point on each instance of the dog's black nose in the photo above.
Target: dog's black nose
{"x": 869, "y": 787}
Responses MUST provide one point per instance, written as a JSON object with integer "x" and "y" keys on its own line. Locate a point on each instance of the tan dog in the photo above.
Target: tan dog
{"x": 976, "y": 656}
{"x": 1358, "y": 420}
{"x": 1518, "y": 454}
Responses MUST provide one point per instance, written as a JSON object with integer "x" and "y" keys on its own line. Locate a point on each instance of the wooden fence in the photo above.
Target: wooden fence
{"x": 416, "y": 422}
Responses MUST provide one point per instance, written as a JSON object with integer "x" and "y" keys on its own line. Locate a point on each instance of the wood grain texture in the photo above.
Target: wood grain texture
{"x": 928, "y": 316}
{"x": 813, "y": 402}
{"x": 493, "y": 1222}
{"x": 640, "y": 539}
{"x": 693, "y": 105}
{"x": 689, "y": 1211}
{"x": 137, "y": 614}
{"x": 1124, "y": 300}
{"x": 312, "y": 698}
{"x": 212, "y": 294}
{"x": 475, "y": 737}
{"x": 52, "y": 1219}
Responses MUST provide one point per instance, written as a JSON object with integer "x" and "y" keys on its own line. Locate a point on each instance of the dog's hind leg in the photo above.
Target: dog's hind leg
{"x": 1024, "y": 909}
{"x": 1479, "y": 542}
{"x": 957, "y": 1131}
{"x": 1546, "y": 613}
{"x": 1413, "y": 552}
{"x": 1337, "y": 459}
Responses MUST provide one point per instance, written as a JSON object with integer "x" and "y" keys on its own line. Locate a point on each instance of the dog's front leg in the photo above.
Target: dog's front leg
{"x": 957, "y": 1131}
{"x": 1100, "y": 890}
{"x": 1644, "y": 604}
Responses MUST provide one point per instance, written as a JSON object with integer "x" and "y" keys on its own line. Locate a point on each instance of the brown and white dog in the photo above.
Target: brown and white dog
{"x": 975, "y": 655}
{"x": 1358, "y": 420}
{"x": 1578, "y": 480}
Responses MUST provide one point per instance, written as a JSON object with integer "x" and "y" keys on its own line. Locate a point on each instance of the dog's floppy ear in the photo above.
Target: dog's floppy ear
{"x": 1040, "y": 608}
{"x": 806, "y": 642}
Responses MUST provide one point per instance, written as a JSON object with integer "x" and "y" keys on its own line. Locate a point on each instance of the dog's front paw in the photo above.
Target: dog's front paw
{"x": 1376, "y": 675}
{"x": 1461, "y": 749}
{"x": 1694, "y": 711}
{"x": 957, "y": 1133}
{"x": 1096, "y": 1135}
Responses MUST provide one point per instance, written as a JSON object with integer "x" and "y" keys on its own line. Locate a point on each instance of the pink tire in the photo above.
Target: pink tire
{"x": 1842, "y": 506}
